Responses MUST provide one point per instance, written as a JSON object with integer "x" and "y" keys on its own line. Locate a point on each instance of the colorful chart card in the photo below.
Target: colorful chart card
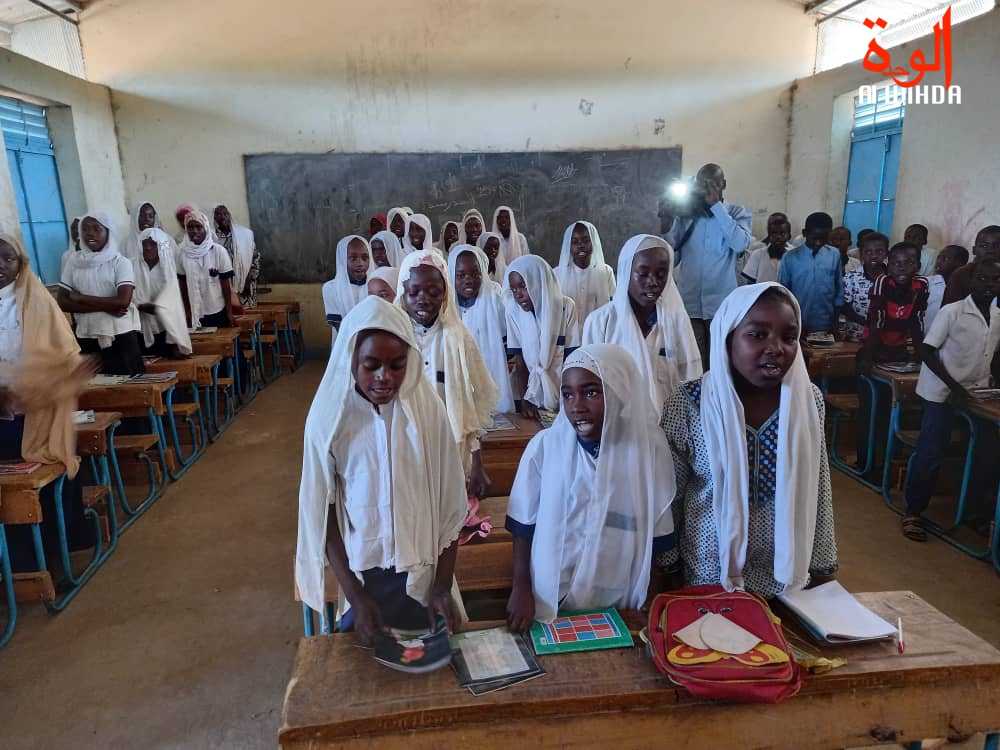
{"x": 581, "y": 631}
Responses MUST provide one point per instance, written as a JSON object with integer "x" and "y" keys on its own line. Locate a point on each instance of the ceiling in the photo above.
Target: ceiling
{"x": 13, "y": 12}
{"x": 894, "y": 11}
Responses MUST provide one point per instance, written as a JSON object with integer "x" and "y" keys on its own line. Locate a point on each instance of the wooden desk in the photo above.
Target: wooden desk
{"x": 92, "y": 438}
{"x": 831, "y": 361}
{"x": 502, "y": 452}
{"x": 903, "y": 384}
{"x": 131, "y": 399}
{"x": 990, "y": 411}
{"x": 947, "y": 683}
{"x": 222, "y": 342}
{"x": 197, "y": 370}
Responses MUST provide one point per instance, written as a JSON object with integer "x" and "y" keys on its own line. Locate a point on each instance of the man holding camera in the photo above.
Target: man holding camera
{"x": 707, "y": 235}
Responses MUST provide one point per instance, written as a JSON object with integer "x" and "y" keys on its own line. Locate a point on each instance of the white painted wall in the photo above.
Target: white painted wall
{"x": 442, "y": 75}
{"x": 83, "y": 133}
{"x": 949, "y": 176}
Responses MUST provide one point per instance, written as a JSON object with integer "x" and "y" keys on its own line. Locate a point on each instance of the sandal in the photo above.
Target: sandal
{"x": 913, "y": 529}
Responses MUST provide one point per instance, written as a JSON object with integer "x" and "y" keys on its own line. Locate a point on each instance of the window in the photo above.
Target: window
{"x": 876, "y": 139}
{"x": 36, "y": 185}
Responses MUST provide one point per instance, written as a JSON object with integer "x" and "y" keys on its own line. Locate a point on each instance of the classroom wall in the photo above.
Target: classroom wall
{"x": 83, "y": 135}
{"x": 193, "y": 97}
{"x": 948, "y": 177}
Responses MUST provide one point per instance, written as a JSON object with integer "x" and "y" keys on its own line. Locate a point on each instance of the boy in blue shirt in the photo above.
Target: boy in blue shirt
{"x": 813, "y": 273}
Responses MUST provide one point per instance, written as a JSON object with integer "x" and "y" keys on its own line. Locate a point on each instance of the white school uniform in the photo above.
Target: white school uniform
{"x": 541, "y": 337}
{"x": 517, "y": 245}
{"x": 499, "y": 275}
{"x": 486, "y": 320}
{"x": 396, "y": 487}
{"x": 452, "y": 362}
{"x": 99, "y": 275}
{"x": 668, "y": 355}
{"x": 203, "y": 266}
{"x": 589, "y": 287}
{"x": 340, "y": 294}
{"x": 593, "y": 520}
{"x": 761, "y": 267}
{"x": 158, "y": 286}
{"x": 935, "y": 296}
{"x": 966, "y": 344}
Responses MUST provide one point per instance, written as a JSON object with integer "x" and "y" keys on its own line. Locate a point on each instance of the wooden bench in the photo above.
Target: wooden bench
{"x": 502, "y": 451}
{"x": 946, "y": 684}
{"x": 22, "y": 505}
{"x": 287, "y": 316}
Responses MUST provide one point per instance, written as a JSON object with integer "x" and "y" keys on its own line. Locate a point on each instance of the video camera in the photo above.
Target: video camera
{"x": 684, "y": 198}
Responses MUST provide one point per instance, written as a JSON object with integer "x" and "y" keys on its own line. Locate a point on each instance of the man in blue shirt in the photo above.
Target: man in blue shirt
{"x": 705, "y": 252}
{"x": 813, "y": 273}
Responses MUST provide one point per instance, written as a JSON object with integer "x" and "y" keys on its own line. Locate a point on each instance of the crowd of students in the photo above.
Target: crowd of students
{"x": 139, "y": 296}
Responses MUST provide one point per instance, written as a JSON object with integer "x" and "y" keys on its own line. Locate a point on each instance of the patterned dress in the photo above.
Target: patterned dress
{"x": 694, "y": 517}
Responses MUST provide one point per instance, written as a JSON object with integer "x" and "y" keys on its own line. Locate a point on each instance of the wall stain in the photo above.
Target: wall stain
{"x": 586, "y": 107}
{"x": 658, "y": 125}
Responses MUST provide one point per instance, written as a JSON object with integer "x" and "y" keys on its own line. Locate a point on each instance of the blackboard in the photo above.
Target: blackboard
{"x": 301, "y": 204}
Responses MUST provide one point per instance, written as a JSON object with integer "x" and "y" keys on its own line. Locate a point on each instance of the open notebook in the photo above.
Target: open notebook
{"x": 835, "y": 616}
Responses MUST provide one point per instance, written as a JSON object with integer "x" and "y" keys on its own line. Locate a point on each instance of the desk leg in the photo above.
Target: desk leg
{"x": 837, "y": 462}
{"x": 995, "y": 541}
{"x": 890, "y": 444}
{"x": 8, "y": 585}
{"x": 196, "y": 451}
{"x": 96, "y": 561}
{"x": 308, "y": 622}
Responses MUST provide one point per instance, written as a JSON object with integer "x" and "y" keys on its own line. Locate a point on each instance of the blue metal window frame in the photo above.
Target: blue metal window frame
{"x": 879, "y": 120}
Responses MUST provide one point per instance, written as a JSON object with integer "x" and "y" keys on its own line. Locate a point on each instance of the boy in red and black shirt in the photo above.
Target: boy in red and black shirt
{"x": 896, "y": 311}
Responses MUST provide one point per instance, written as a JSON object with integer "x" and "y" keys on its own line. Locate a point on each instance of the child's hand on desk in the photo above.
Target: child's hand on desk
{"x": 367, "y": 618}
{"x": 530, "y": 411}
{"x": 520, "y": 609}
{"x": 443, "y": 605}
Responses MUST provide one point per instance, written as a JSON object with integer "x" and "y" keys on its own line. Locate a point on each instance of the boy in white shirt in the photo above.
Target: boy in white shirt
{"x": 957, "y": 351}
{"x": 765, "y": 261}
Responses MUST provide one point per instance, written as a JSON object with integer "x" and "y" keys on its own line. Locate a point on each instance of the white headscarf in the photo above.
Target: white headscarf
{"x": 133, "y": 244}
{"x": 404, "y": 213}
{"x": 500, "y": 274}
{"x": 429, "y": 501}
{"x": 393, "y": 247}
{"x": 243, "y": 248}
{"x": 485, "y": 320}
{"x": 72, "y": 249}
{"x": 615, "y": 323}
{"x": 339, "y": 294}
{"x": 88, "y": 259}
{"x": 633, "y": 487}
{"x": 187, "y": 247}
{"x": 423, "y": 222}
{"x": 463, "y": 238}
{"x": 588, "y": 287}
{"x": 388, "y": 274}
{"x": 470, "y": 393}
{"x": 517, "y": 245}
{"x": 198, "y": 263}
{"x": 538, "y": 331}
{"x": 158, "y": 286}
{"x": 439, "y": 243}
{"x": 800, "y": 442}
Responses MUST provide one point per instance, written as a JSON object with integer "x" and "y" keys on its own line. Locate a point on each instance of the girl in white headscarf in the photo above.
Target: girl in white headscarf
{"x": 350, "y": 284}
{"x": 206, "y": 274}
{"x": 162, "y": 318}
{"x": 419, "y": 234}
{"x": 489, "y": 243}
{"x": 648, "y": 318}
{"x": 97, "y": 287}
{"x": 541, "y": 329}
{"x": 396, "y": 222}
{"x": 473, "y": 224}
{"x": 382, "y": 282}
{"x": 753, "y": 482}
{"x": 582, "y": 272}
{"x": 448, "y": 238}
{"x": 382, "y": 497}
{"x": 387, "y": 244}
{"x": 453, "y": 363}
{"x": 143, "y": 216}
{"x": 513, "y": 244}
{"x": 481, "y": 309}
{"x": 590, "y": 506}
